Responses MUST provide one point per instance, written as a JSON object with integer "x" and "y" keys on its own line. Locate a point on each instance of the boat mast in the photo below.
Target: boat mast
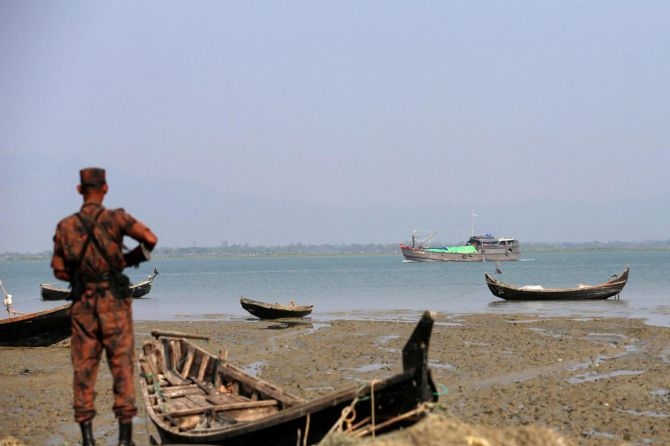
{"x": 472, "y": 223}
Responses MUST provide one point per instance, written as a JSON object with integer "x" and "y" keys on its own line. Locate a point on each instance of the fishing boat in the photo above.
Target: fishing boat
{"x": 38, "y": 329}
{"x": 478, "y": 248}
{"x": 263, "y": 310}
{"x": 192, "y": 396}
{"x": 50, "y": 291}
{"x": 604, "y": 290}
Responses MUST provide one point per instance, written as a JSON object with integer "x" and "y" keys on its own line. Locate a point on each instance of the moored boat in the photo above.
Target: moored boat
{"x": 263, "y": 310}
{"x": 37, "y": 329}
{"x": 478, "y": 248}
{"x": 50, "y": 291}
{"x": 605, "y": 290}
{"x": 192, "y": 396}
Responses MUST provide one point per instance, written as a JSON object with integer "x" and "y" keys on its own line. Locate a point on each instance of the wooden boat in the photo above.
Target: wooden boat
{"x": 192, "y": 397}
{"x": 33, "y": 329}
{"x": 604, "y": 290}
{"x": 36, "y": 329}
{"x": 478, "y": 248}
{"x": 50, "y": 291}
{"x": 264, "y": 310}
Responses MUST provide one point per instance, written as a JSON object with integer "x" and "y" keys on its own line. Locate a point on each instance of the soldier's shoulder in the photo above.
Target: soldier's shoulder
{"x": 120, "y": 214}
{"x": 117, "y": 211}
{"x": 68, "y": 219}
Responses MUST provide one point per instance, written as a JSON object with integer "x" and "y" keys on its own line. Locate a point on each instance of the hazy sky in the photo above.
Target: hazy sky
{"x": 347, "y": 103}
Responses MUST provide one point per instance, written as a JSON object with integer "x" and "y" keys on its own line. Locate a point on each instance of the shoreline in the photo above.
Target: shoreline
{"x": 589, "y": 380}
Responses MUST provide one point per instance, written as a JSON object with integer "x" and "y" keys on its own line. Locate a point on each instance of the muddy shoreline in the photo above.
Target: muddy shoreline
{"x": 587, "y": 381}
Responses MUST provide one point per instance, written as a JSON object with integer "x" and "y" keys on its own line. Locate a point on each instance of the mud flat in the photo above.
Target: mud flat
{"x": 503, "y": 379}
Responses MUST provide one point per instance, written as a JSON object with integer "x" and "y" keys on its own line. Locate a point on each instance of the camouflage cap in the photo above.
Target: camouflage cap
{"x": 92, "y": 176}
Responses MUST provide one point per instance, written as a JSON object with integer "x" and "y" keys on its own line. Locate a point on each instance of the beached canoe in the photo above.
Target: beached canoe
{"x": 263, "y": 310}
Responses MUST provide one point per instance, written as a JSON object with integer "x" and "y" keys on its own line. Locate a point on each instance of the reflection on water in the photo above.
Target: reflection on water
{"x": 283, "y": 324}
{"x": 566, "y": 308}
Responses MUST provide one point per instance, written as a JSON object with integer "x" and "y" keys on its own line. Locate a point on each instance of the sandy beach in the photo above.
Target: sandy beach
{"x": 503, "y": 379}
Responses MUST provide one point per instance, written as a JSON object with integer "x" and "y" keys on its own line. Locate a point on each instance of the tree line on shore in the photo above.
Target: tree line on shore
{"x": 356, "y": 249}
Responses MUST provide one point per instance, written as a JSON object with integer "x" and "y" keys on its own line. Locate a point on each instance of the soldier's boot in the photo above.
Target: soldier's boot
{"x": 126, "y": 433}
{"x": 87, "y": 433}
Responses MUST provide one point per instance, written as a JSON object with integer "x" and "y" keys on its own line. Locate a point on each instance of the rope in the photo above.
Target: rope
{"x": 304, "y": 440}
{"x": 343, "y": 416}
{"x": 440, "y": 393}
{"x": 420, "y": 409}
{"x": 372, "y": 402}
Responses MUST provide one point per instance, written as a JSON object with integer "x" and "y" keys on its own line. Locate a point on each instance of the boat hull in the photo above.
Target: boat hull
{"x": 36, "y": 329}
{"x": 482, "y": 255}
{"x": 601, "y": 291}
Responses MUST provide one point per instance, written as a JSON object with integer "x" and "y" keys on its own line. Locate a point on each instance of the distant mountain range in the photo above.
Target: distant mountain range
{"x": 188, "y": 214}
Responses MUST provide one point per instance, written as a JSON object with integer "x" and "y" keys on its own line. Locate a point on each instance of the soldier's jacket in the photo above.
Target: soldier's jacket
{"x": 70, "y": 239}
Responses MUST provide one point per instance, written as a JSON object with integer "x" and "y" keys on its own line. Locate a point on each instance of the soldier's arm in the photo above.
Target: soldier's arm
{"x": 58, "y": 262}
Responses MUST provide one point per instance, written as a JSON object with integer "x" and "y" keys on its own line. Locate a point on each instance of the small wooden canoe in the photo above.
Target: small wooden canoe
{"x": 264, "y": 310}
{"x": 604, "y": 290}
{"x": 194, "y": 397}
{"x": 38, "y": 329}
{"x": 50, "y": 291}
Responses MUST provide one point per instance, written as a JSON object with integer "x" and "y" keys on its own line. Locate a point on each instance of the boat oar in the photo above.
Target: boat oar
{"x": 177, "y": 334}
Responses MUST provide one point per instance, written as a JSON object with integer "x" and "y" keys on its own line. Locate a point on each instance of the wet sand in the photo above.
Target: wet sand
{"x": 503, "y": 379}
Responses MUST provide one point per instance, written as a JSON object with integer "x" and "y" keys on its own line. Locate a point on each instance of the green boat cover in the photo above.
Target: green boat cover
{"x": 468, "y": 249}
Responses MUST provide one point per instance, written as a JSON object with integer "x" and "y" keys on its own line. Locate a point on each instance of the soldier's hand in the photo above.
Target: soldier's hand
{"x": 137, "y": 255}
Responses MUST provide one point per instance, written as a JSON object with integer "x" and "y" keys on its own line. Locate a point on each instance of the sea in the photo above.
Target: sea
{"x": 372, "y": 287}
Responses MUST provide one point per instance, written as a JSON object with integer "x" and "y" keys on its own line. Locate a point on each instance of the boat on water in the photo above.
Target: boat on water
{"x": 38, "y": 329}
{"x": 478, "y": 248}
{"x": 263, "y": 310}
{"x": 603, "y": 290}
{"x": 193, "y": 396}
{"x": 50, "y": 291}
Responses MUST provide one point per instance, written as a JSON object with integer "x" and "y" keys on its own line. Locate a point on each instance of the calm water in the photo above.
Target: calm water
{"x": 373, "y": 287}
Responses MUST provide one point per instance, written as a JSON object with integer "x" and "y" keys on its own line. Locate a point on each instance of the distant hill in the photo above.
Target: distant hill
{"x": 189, "y": 214}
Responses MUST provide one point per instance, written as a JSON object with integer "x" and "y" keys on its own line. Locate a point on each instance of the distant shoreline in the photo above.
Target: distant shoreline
{"x": 299, "y": 249}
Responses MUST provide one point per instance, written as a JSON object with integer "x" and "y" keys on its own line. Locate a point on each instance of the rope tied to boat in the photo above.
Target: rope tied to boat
{"x": 307, "y": 421}
{"x": 344, "y": 416}
{"x": 369, "y": 425}
{"x": 372, "y": 404}
{"x": 9, "y": 306}
{"x": 348, "y": 415}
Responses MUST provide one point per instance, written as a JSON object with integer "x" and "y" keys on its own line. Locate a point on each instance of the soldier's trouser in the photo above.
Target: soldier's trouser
{"x": 102, "y": 322}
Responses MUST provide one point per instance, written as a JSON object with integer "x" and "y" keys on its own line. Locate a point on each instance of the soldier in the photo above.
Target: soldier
{"x": 88, "y": 254}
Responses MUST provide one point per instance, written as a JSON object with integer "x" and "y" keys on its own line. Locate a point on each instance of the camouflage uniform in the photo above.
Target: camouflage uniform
{"x": 100, "y": 320}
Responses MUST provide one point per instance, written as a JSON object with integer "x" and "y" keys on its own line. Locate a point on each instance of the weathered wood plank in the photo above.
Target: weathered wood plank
{"x": 241, "y": 405}
{"x": 203, "y": 367}
{"x": 187, "y": 362}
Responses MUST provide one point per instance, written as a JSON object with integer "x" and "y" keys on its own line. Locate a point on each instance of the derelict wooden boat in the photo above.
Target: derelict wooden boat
{"x": 604, "y": 290}
{"x": 36, "y": 329}
{"x": 264, "y": 310}
{"x": 192, "y": 397}
{"x": 50, "y": 291}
